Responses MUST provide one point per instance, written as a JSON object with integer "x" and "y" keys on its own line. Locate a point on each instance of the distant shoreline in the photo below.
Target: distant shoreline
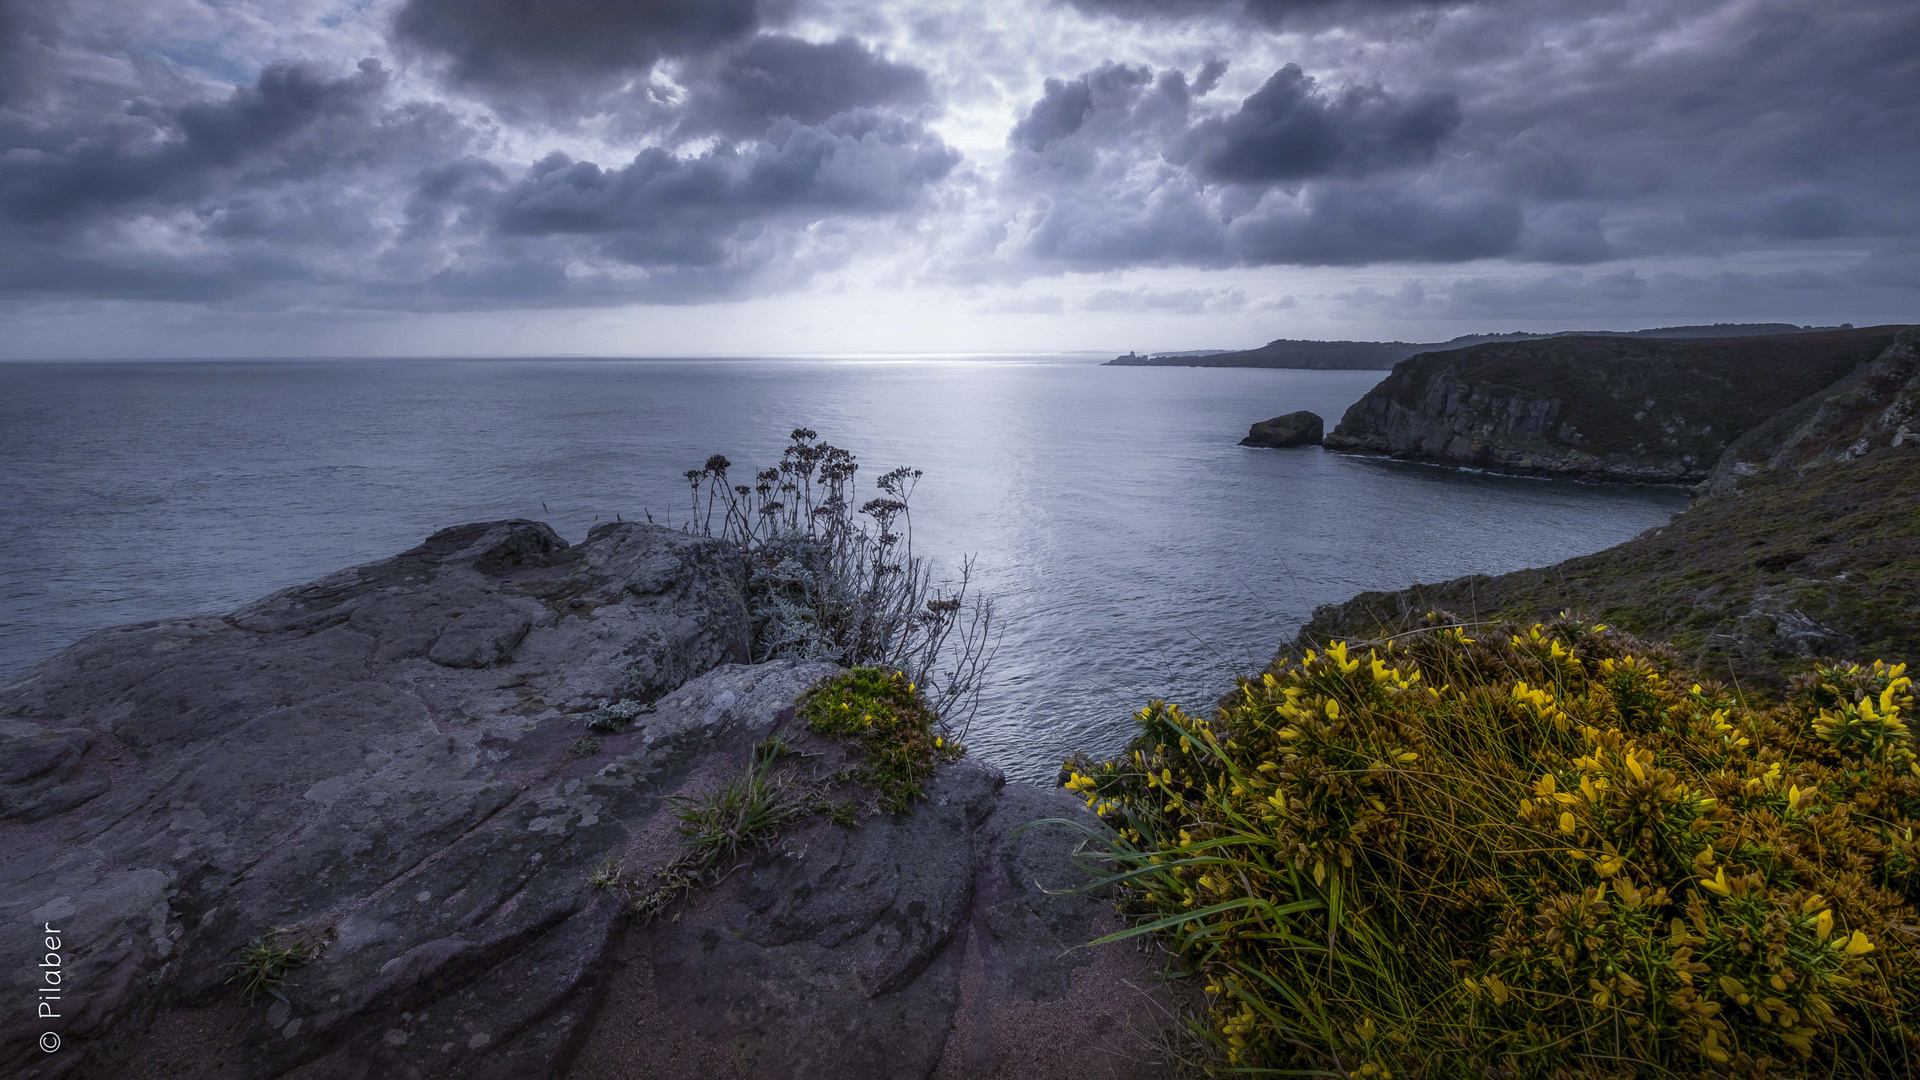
{"x": 1383, "y": 355}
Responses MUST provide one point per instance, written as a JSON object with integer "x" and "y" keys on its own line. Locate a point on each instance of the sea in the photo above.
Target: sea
{"x": 1132, "y": 549}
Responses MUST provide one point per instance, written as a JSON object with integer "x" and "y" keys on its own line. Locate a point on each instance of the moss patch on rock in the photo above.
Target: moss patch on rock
{"x": 900, "y": 739}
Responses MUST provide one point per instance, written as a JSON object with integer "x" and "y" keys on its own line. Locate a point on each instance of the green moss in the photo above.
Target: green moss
{"x": 898, "y": 735}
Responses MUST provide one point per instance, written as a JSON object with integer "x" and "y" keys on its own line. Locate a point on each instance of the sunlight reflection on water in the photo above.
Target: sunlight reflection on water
{"x": 1135, "y": 551}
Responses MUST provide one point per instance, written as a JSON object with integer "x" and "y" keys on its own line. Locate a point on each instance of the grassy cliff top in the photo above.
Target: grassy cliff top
{"x": 1824, "y": 562}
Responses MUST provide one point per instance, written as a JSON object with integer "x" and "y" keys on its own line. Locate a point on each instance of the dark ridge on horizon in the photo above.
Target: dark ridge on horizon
{"x": 1382, "y": 355}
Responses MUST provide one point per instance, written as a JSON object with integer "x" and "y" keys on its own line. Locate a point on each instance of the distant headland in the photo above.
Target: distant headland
{"x": 1382, "y": 355}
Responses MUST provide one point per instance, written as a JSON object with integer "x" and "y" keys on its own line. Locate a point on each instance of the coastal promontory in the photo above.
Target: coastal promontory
{"x": 1805, "y": 544}
{"x": 1646, "y": 410}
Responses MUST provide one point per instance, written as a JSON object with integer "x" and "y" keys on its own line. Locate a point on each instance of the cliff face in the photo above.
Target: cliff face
{"x": 394, "y": 765}
{"x": 1602, "y": 408}
{"x": 1807, "y": 545}
{"x": 1877, "y": 405}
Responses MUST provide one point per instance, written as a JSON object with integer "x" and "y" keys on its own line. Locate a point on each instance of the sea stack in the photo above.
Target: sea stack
{"x": 1294, "y": 429}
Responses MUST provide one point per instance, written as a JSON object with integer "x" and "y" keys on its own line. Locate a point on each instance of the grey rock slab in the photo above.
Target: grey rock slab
{"x": 941, "y": 943}
{"x": 389, "y": 765}
{"x": 815, "y": 961}
{"x": 376, "y": 762}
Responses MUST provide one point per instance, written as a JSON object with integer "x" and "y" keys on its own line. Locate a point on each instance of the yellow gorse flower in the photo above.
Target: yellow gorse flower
{"x": 1562, "y": 790}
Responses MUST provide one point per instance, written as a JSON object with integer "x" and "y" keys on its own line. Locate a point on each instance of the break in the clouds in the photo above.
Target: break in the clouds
{"x": 1614, "y": 157}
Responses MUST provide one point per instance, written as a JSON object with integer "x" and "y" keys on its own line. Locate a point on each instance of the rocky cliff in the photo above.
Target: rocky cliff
{"x": 1600, "y": 408}
{"x": 1807, "y": 545}
{"x": 393, "y": 768}
{"x": 1877, "y": 405}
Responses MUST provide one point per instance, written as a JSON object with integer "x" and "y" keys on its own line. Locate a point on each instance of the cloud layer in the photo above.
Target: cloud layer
{"x": 437, "y": 155}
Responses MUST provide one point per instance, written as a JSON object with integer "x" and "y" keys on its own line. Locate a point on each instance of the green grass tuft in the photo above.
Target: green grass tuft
{"x": 744, "y": 811}
{"x": 265, "y": 962}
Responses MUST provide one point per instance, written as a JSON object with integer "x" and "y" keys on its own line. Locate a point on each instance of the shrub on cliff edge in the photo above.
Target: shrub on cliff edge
{"x": 825, "y": 584}
{"x": 1531, "y": 852}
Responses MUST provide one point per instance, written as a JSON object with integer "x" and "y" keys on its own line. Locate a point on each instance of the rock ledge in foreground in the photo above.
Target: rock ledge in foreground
{"x": 389, "y": 763}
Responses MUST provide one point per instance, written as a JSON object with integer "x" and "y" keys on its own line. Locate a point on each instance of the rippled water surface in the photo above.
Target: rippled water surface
{"x": 1134, "y": 550}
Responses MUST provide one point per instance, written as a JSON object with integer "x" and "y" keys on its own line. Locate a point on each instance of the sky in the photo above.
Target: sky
{"x": 783, "y": 177}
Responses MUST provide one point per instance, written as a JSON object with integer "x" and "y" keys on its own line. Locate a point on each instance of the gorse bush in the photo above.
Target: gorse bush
{"x": 1531, "y": 852}
{"x": 830, "y": 577}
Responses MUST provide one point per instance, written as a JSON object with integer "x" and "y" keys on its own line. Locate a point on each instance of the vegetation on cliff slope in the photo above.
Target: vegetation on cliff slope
{"x": 1750, "y": 585}
{"x": 901, "y": 740}
{"x": 1544, "y": 851}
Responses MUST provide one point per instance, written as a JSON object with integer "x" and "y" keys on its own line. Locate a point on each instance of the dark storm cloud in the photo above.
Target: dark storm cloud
{"x": 668, "y": 210}
{"x": 1353, "y": 225}
{"x": 311, "y": 183}
{"x": 555, "y": 49}
{"x": 775, "y": 77}
{"x": 1290, "y": 129}
{"x": 1270, "y": 13}
{"x": 1118, "y": 167}
{"x": 1542, "y": 132}
{"x": 1529, "y": 131}
{"x": 295, "y": 120}
{"x": 1065, "y": 104}
{"x": 1749, "y": 125}
{"x": 19, "y": 29}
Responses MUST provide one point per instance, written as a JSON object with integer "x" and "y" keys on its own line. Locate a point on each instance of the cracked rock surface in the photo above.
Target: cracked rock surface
{"x": 394, "y": 764}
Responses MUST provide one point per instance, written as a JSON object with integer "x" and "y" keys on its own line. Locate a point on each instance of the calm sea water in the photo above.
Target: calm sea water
{"x": 1134, "y": 550}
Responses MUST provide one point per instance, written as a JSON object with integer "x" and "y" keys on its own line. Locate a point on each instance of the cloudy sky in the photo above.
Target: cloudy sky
{"x": 753, "y": 177}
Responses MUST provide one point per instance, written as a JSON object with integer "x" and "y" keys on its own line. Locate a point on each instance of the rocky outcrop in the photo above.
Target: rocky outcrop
{"x": 393, "y": 766}
{"x": 1804, "y": 545}
{"x": 1878, "y": 405}
{"x": 1300, "y": 428}
{"x": 1597, "y": 408}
